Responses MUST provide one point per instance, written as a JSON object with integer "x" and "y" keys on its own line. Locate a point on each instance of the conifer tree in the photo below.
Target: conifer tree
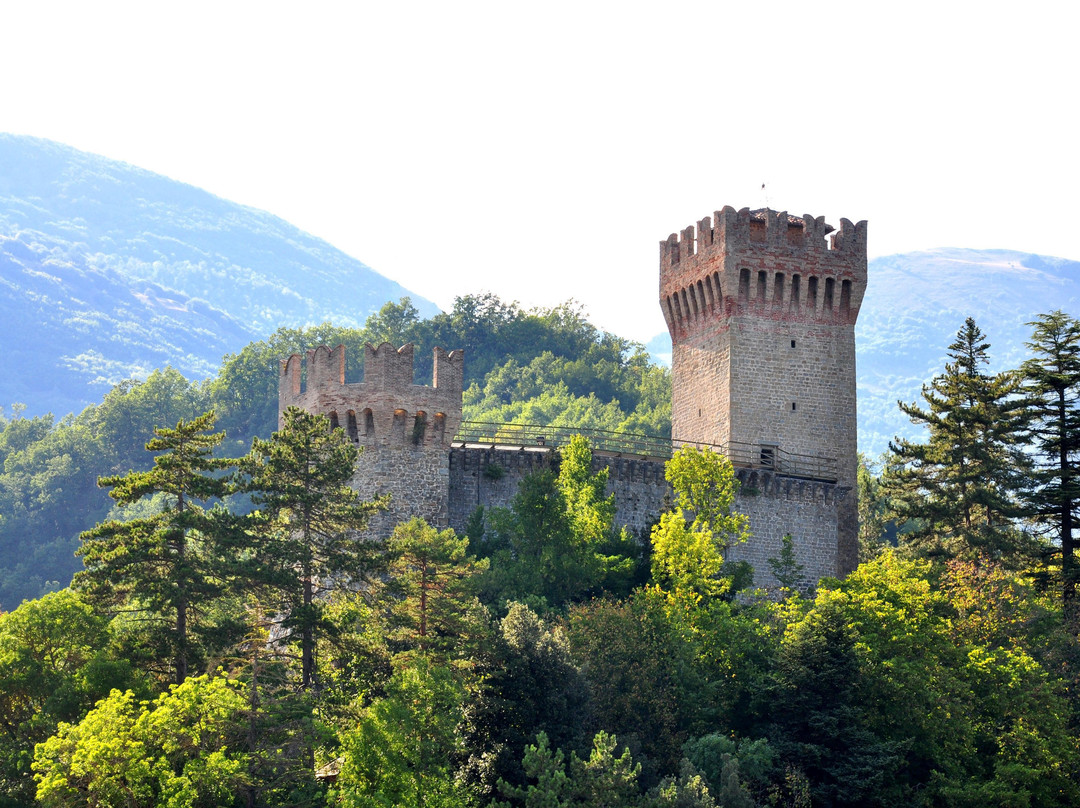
{"x": 165, "y": 565}
{"x": 960, "y": 487}
{"x": 304, "y": 532}
{"x": 1052, "y": 385}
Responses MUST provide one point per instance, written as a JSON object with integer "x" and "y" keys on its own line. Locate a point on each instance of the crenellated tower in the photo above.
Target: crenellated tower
{"x": 405, "y": 429}
{"x": 761, "y": 307}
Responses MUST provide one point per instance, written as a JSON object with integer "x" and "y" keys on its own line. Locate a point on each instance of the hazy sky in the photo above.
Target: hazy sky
{"x": 542, "y": 150}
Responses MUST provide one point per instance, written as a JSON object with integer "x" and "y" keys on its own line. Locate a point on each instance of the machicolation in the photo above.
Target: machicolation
{"x": 761, "y": 307}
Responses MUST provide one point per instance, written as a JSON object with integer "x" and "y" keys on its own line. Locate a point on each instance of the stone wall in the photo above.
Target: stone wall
{"x": 762, "y": 316}
{"x": 490, "y": 477}
{"x": 776, "y": 505}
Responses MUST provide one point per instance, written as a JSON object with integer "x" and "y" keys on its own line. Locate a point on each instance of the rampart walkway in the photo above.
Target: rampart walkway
{"x": 646, "y": 447}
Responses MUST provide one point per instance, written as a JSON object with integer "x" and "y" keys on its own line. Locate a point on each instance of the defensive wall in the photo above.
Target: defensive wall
{"x": 761, "y": 311}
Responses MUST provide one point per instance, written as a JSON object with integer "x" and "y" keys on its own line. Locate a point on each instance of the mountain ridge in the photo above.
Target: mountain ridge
{"x": 114, "y": 270}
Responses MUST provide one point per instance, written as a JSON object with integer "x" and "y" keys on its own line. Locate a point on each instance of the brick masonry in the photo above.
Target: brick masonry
{"x": 761, "y": 312}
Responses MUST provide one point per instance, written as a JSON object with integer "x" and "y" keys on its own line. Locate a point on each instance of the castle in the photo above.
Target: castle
{"x": 761, "y": 312}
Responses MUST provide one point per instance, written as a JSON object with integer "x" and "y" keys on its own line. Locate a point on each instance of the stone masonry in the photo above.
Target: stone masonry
{"x": 761, "y": 313}
{"x": 404, "y": 429}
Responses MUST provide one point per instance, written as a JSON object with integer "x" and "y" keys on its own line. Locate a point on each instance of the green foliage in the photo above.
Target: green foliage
{"x": 430, "y": 588}
{"x": 786, "y": 569}
{"x": 557, "y": 543}
{"x": 163, "y": 565}
{"x": 54, "y": 664}
{"x": 689, "y": 542}
{"x": 1051, "y": 381}
{"x": 875, "y": 530}
{"x": 642, "y": 678}
{"x": 531, "y": 685}
{"x": 49, "y": 472}
{"x": 400, "y": 752}
{"x": 176, "y": 751}
{"x": 960, "y": 488}
{"x": 301, "y": 536}
{"x": 600, "y": 781}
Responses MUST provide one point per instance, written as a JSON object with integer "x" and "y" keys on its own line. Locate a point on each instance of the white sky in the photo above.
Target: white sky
{"x": 542, "y": 150}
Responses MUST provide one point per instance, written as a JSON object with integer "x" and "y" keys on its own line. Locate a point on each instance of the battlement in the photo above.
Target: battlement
{"x": 730, "y": 230}
{"x": 386, "y": 408}
{"x": 762, "y": 261}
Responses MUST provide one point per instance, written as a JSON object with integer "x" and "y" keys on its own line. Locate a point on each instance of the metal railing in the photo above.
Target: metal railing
{"x": 528, "y": 435}
{"x": 742, "y": 455}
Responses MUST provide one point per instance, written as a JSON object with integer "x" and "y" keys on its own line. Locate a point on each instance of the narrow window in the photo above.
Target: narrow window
{"x": 701, "y": 297}
{"x": 334, "y": 421}
{"x": 793, "y": 343}
{"x": 845, "y": 297}
{"x": 778, "y": 289}
{"x": 369, "y": 422}
{"x": 793, "y": 406}
{"x": 352, "y": 426}
{"x": 830, "y": 284}
{"x": 762, "y": 279}
{"x": 795, "y": 291}
{"x": 744, "y": 284}
{"x": 694, "y": 301}
{"x": 811, "y": 292}
{"x": 440, "y": 427}
{"x": 719, "y": 290}
{"x": 710, "y": 290}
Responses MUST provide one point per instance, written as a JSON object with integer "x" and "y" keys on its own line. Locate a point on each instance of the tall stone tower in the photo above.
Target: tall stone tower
{"x": 761, "y": 312}
{"x": 404, "y": 429}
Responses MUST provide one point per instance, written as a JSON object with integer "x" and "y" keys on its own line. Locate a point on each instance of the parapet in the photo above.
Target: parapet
{"x": 747, "y": 260}
{"x": 731, "y": 231}
{"x": 386, "y": 407}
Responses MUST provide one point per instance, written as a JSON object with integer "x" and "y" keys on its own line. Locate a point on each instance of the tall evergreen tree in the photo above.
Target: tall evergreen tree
{"x": 304, "y": 533}
{"x": 1052, "y": 384}
{"x": 959, "y": 487}
{"x": 165, "y": 565}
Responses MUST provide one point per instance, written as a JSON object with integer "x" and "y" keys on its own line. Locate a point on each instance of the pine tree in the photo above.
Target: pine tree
{"x": 165, "y": 565}
{"x": 959, "y": 488}
{"x": 1052, "y": 385}
{"x": 304, "y": 534}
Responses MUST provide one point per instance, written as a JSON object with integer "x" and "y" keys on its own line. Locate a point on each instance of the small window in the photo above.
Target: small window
{"x": 793, "y": 343}
{"x": 352, "y": 426}
{"x": 793, "y": 406}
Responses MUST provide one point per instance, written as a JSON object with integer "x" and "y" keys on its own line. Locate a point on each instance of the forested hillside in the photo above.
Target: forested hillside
{"x": 108, "y": 271}
{"x": 545, "y": 366}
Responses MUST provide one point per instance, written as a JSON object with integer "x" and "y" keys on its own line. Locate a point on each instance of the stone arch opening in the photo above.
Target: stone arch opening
{"x": 398, "y": 427}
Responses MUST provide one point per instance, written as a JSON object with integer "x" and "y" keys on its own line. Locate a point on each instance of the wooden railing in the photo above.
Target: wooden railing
{"x": 628, "y": 444}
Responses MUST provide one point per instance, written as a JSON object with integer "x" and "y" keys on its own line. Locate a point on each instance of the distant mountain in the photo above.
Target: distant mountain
{"x": 916, "y": 302}
{"x": 108, "y": 271}
{"x": 914, "y": 305}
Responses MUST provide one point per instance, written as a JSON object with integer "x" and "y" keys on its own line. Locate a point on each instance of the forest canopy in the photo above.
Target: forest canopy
{"x": 256, "y": 656}
{"x": 540, "y": 366}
